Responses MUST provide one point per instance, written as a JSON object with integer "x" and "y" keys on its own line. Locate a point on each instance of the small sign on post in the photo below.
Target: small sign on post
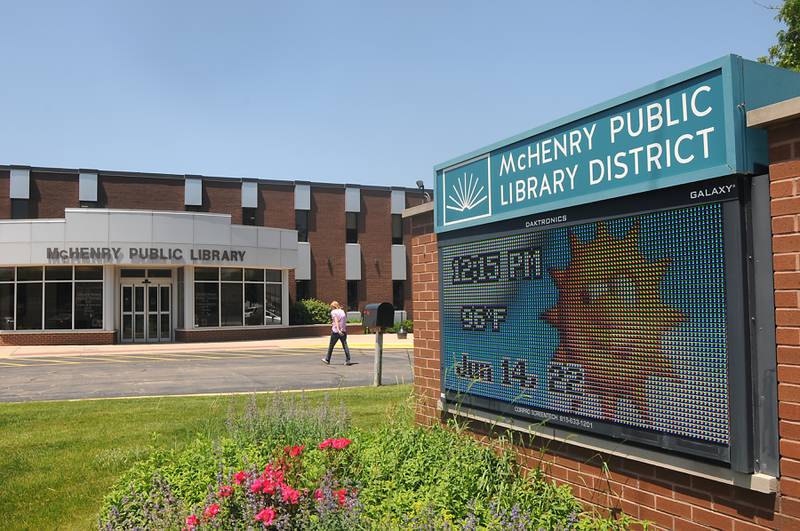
{"x": 378, "y": 317}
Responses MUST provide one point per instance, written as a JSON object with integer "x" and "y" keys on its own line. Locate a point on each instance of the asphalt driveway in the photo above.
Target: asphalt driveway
{"x": 213, "y": 370}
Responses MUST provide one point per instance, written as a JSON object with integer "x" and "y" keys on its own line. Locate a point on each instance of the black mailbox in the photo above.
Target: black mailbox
{"x": 380, "y": 315}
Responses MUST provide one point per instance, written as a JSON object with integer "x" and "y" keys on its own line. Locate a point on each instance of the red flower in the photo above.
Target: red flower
{"x": 340, "y": 495}
{"x": 318, "y": 494}
{"x": 269, "y": 486}
{"x": 257, "y": 485}
{"x": 239, "y": 477}
{"x": 191, "y": 522}
{"x": 211, "y": 511}
{"x": 288, "y": 494}
{"x": 294, "y": 451}
{"x": 341, "y": 443}
{"x": 337, "y": 444}
{"x": 265, "y": 516}
{"x": 225, "y": 491}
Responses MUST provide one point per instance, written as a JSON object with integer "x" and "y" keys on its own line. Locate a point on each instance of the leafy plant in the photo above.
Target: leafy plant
{"x": 310, "y": 311}
{"x": 407, "y": 325}
{"x": 786, "y": 53}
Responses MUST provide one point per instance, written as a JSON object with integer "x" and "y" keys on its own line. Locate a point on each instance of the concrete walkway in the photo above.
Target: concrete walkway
{"x": 390, "y": 342}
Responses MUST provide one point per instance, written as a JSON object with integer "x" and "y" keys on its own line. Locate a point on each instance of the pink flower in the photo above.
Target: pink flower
{"x": 340, "y": 494}
{"x": 269, "y": 486}
{"x": 288, "y": 494}
{"x": 225, "y": 491}
{"x": 257, "y": 485}
{"x": 191, "y": 522}
{"x": 318, "y": 494}
{"x": 239, "y": 477}
{"x": 337, "y": 444}
{"x": 341, "y": 443}
{"x": 294, "y": 451}
{"x": 211, "y": 511}
{"x": 265, "y": 516}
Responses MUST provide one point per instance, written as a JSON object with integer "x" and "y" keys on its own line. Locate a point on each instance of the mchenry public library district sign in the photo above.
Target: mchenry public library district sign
{"x": 608, "y": 276}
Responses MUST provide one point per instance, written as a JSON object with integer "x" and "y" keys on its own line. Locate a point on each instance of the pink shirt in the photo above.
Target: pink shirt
{"x": 339, "y": 319}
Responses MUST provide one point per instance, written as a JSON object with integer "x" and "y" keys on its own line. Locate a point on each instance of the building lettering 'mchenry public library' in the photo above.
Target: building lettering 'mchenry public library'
{"x": 90, "y": 256}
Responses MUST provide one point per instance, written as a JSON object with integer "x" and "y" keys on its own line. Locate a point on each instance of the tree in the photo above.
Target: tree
{"x": 786, "y": 53}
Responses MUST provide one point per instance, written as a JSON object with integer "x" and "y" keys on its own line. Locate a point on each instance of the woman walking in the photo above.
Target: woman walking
{"x": 338, "y": 333}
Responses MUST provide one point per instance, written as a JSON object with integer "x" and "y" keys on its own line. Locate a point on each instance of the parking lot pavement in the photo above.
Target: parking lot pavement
{"x": 149, "y": 372}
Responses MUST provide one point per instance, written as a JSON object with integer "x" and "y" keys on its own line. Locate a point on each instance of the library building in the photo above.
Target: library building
{"x": 97, "y": 257}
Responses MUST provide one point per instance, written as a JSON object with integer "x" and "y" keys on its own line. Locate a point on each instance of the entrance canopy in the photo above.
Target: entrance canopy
{"x": 143, "y": 237}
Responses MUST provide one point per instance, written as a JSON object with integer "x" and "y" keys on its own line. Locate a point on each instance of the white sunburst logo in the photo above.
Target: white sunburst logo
{"x": 465, "y": 194}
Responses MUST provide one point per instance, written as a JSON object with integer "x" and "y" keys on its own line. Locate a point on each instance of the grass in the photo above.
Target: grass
{"x": 58, "y": 459}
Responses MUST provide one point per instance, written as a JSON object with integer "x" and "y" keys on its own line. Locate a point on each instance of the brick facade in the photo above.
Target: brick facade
{"x": 223, "y": 197}
{"x": 375, "y": 238}
{"x": 669, "y": 499}
{"x": 51, "y": 193}
{"x": 140, "y": 194}
{"x": 72, "y": 337}
{"x": 326, "y": 236}
{"x": 5, "y": 189}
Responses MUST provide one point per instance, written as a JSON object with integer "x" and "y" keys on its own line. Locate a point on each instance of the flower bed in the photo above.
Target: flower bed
{"x": 279, "y": 470}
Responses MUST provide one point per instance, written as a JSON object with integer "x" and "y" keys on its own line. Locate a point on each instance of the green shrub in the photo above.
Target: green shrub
{"x": 407, "y": 325}
{"x": 310, "y": 311}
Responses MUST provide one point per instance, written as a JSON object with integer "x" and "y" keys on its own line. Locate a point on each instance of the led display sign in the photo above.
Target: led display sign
{"x": 609, "y": 322}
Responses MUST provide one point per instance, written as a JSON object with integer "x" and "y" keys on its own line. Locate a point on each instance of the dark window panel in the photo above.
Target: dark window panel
{"x": 206, "y": 304}
{"x": 352, "y": 227}
{"x": 301, "y": 224}
{"x": 397, "y": 229}
{"x": 232, "y": 304}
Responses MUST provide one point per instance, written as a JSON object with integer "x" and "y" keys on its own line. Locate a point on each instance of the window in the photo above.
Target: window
{"x": 232, "y": 296}
{"x": 303, "y": 289}
{"x": 51, "y": 298}
{"x": 352, "y": 227}
{"x": 20, "y": 209}
{"x": 352, "y": 295}
{"x": 397, "y": 229}
{"x": 398, "y": 294}
{"x": 248, "y": 216}
{"x": 301, "y": 224}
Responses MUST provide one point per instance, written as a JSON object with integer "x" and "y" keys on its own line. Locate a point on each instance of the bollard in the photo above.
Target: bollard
{"x": 378, "y": 368}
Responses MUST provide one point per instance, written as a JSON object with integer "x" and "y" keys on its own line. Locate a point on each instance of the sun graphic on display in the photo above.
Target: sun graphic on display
{"x": 611, "y": 320}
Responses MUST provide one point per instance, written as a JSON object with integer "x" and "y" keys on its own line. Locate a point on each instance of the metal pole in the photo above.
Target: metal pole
{"x": 378, "y": 368}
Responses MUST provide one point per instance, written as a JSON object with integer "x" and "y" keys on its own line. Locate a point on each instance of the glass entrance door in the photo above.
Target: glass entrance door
{"x": 146, "y": 313}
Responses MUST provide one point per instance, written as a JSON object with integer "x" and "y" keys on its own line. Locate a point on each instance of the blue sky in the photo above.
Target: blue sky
{"x": 357, "y": 92}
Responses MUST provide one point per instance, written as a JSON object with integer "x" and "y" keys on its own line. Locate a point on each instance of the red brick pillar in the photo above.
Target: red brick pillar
{"x": 785, "y": 207}
{"x": 425, "y": 289}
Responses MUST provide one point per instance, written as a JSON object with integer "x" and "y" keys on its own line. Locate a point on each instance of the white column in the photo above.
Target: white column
{"x": 188, "y": 297}
{"x": 110, "y": 299}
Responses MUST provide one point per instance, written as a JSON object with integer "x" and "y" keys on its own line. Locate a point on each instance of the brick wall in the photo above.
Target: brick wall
{"x": 51, "y": 193}
{"x": 276, "y": 206}
{"x": 784, "y": 142}
{"x": 670, "y": 499}
{"x": 141, "y": 194}
{"x": 223, "y": 197}
{"x": 100, "y": 337}
{"x": 5, "y": 191}
{"x": 326, "y": 236}
{"x": 375, "y": 238}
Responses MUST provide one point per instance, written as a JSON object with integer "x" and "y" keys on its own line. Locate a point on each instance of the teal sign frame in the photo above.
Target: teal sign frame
{"x": 686, "y": 128}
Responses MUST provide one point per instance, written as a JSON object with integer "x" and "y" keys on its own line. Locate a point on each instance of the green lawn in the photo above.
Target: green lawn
{"x": 58, "y": 459}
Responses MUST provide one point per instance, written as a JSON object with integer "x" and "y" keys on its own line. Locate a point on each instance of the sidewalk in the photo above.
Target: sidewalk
{"x": 366, "y": 341}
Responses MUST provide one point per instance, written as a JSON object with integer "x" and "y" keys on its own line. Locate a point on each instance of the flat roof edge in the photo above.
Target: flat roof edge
{"x": 775, "y": 113}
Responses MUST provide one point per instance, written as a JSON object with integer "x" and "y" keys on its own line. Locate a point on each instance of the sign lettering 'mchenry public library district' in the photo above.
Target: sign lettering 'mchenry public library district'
{"x": 573, "y": 294}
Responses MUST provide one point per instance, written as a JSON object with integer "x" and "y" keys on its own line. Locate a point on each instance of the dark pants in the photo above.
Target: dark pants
{"x": 334, "y": 338}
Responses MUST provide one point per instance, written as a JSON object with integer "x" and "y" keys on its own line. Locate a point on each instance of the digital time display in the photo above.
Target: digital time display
{"x": 618, "y": 324}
